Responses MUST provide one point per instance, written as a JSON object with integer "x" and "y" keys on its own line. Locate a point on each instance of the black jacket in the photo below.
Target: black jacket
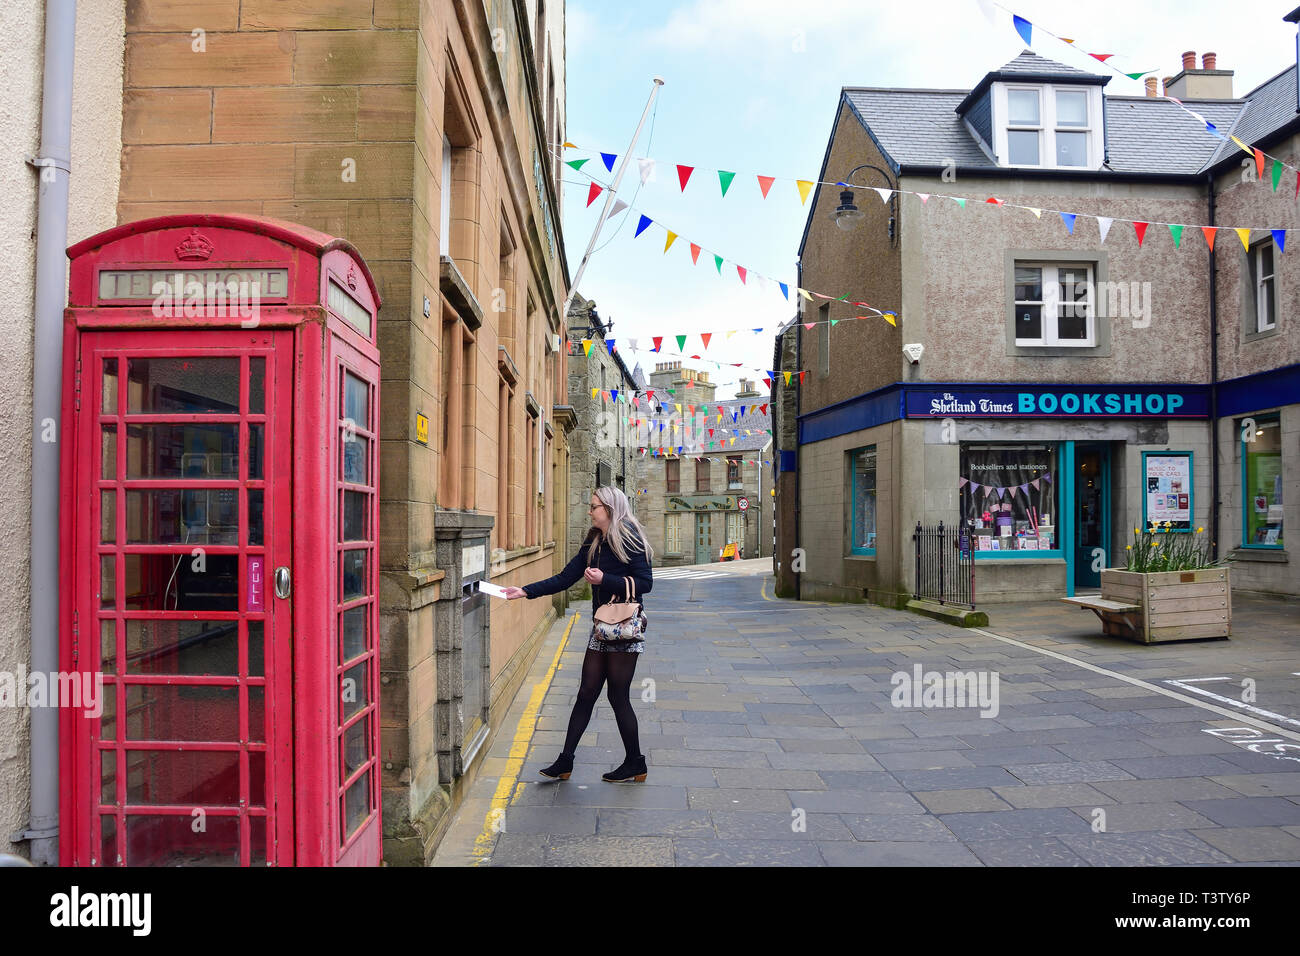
{"x": 611, "y": 587}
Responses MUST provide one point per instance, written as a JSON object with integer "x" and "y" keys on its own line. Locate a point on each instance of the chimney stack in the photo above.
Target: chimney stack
{"x": 1151, "y": 82}
{"x": 1208, "y": 83}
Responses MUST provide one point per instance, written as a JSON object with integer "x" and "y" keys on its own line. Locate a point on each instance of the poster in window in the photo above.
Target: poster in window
{"x": 1169, "y": 487}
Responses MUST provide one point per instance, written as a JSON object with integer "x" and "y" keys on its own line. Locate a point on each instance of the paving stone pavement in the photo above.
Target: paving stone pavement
{"x": 772, "y": 740}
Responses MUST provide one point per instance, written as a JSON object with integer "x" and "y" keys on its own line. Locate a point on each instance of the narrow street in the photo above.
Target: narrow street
{"x": 772, "y": 740}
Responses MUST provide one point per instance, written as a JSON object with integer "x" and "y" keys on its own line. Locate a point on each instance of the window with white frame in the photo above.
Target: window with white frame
{"x": 1049, "y": 126}
{"x": 673, "y": 526}
{"x": 736, "y": 529}
{"x": 1054, "y": 304}
{"x": 1263, "y": 281}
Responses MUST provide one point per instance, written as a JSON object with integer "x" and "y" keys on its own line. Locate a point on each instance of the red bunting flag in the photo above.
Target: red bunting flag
{"x": 705, "y": 336}
{"x": 1101, "y": 56}
{"x": 683, "y": 174}
{"x": 801, "y": 375}
{"x": 765, "y": 183}
{"x": 1259, "y": 162}
{"x": 809, "y": 325}
{"x": 763, "y": 407}
{"x": 695, "y": 253}
{"x": 1208, "y": 232}
{"x": 1141, "y": 229}
{"x": 994, "y": 200}
{"x": 767, "y": 380}
{"x": 592, "y": 192}
{"x": 658, "y": 341}
{"x": 741, "y": 271}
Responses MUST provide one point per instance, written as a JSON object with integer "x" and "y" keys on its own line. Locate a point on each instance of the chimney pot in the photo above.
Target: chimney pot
{"x": 1151, "y": 82}
{"x": 1189, "y": 60}
{"x": 1165, "y": 84}
{"x": 1208, "y": 61}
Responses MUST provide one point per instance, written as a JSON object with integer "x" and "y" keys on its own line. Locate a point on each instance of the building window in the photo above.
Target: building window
{"x": 1008, "y": 496}
{"x": 1054, "y": 305}
{"x": 733, "y": 473}
{"x": 736, "y": 530}
{"x": 701, "y": 475}
{"x": 673, "y": 541}
{"x": 444, "y": 220}
{"x": 1262, "y": 482}
{"x": 672, "y": 475}
{"x": 1048, "y": 126}
{"x": 1262, "y": 281}
{"x": 862, "y": 495}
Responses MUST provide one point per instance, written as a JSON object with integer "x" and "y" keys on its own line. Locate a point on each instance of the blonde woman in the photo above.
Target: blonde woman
{"x": 616, "y": 547}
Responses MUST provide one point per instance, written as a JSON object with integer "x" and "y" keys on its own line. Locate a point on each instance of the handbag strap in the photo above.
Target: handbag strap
{"x": 629, "y": 585}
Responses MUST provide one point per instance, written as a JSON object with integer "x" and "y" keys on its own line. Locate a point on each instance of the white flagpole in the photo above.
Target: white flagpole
{"x": 609, "y": 199}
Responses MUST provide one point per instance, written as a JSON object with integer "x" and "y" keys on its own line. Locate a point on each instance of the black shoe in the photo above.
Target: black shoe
{"x": 632, "y": 769}
{"x": 559, "y": 770}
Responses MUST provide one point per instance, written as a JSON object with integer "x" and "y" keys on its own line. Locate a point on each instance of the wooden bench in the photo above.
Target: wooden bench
{"x": 1117, "y": 619}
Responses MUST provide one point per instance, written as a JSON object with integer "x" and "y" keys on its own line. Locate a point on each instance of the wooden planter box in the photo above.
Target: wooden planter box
{"x": 1173, "y": 605}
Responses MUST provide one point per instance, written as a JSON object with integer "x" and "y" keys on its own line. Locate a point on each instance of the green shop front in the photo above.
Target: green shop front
{"x": 1045, "y": 482}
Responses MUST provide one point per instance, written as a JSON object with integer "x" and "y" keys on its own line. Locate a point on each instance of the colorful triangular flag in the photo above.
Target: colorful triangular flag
{"x": 765, "y": 183}
{"x": 724, "y": 180}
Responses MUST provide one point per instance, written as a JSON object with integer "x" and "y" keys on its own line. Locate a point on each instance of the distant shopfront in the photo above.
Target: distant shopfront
{"x": 1049, "y": 479}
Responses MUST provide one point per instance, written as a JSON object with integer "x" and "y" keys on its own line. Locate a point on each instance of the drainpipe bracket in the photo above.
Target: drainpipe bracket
{"x": 21, "y": 835}
{"x": 41, "y": 162}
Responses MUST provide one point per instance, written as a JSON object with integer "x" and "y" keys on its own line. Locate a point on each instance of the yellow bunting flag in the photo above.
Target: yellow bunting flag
{"x": 890, "y": 319}
{"x": 672, "y": 237}
{"x": 1244, "y": 236}
{"x": 1038, "y": 213}
{"x": 806, "y": 294}
{"x": 569, "y": 146}
{"x": 679, "y": 407}
{"x": 594, "y": 391}
{"x": 586, "y": 347}
{"x": 805, "y": 187}
{"x": 787, "y": 377}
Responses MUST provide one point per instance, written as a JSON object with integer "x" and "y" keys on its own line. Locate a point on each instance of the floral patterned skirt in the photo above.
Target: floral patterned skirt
{"x": 594, "y": 643}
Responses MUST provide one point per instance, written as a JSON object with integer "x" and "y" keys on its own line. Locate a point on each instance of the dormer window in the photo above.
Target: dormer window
{"x": 1048, "y": 126}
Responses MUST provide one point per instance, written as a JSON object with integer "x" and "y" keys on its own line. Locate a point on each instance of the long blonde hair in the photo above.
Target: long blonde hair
{"x": 625, "y": 532}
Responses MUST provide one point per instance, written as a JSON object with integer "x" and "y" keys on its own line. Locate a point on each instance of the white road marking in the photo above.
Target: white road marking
{"x": 1137, "y": 682}
{"x": 1228, "y": 700}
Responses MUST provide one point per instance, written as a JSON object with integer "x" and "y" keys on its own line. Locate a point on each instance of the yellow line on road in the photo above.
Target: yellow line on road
{"x": 493, "y": 822}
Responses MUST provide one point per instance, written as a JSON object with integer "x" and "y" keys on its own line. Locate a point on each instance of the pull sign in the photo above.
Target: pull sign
{"x": 256, "y": 584}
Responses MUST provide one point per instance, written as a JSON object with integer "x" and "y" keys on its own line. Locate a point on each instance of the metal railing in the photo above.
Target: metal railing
{"x": 945, "y": 565}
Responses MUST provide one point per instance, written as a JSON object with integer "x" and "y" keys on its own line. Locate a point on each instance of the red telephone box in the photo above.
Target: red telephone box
{"x": 219, "y": 547}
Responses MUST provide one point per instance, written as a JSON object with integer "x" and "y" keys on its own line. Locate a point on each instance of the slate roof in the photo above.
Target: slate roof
{"x": 1143, "y": 134}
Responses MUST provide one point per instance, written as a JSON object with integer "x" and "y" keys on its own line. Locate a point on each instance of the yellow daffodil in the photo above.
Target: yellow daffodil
{"x": 1199, "y": 530}
{"x": 1128, "y": 547}
{"x": 1136, "y": 531}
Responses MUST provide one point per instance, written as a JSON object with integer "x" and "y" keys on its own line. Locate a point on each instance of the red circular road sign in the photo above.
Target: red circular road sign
{"x": 742, "y": 503}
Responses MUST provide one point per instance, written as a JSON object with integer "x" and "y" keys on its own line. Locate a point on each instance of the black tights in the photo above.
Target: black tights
{"x": 617, "y": 668}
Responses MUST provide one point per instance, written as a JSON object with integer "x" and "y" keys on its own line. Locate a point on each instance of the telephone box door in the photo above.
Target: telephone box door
{"x": 183, "y": 513}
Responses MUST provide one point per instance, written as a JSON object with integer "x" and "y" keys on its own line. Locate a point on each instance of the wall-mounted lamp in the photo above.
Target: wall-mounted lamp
{"x": 847, "y": 214}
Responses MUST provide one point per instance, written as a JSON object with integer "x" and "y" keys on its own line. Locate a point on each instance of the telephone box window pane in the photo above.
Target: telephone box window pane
{"x": 182, "y": 516}
{"x": 182, "y": 712}
{"x": 107, "y": 581}
{"x": 108, "y": 840}
{"x": 171, "y": 841}
{"x": 107, "y": 777}
{"x": 257, "y": 785}
{"x": 354, "y": 631}
{"x": 108, "y": 516}
{"x": 108, "y": 646}
{"x": 256, "y": 450}
{"x": 108, "y": 719}
{"x": 257, "y": 385}
{"x": 196, "y": 648}
{"x": 257, "y": 841}
{"x": 356, "y": 804}
{"x": 191, "y": 778}
{"x": 354, "y": 692}
{"x": 356, "y": 460}
{"x": 108, "y": 454}
{"x": 255, "y": 496}
{"x": 355, "y": 511}
{"x": 193, "y": 451}
{"x": 257, "y": 715}
{"x": 356, "y": 747}
{"x": 354, "y": 575}
{"x": 183, "y": 384}
{"x": 356, "y": 400}
{"x": 182, "y": 582}
{"x": 109, "y": 403}
{"x": 256, "y": 650}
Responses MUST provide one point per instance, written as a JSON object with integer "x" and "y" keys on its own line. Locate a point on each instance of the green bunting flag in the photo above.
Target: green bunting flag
{"x": 725, "y": 178}
{"x": 1177, "y": 232}
{"x": 960, "y": 202}
{"x": 718, "y": 261}
{"x": 575, "y": 163}
{"x": 1138, "y": 76}
{"x": 681, "y": 342}
{"x": 1277, "y": 173}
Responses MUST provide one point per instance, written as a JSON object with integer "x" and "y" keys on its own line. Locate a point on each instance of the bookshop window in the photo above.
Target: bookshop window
{"x": 1008, "y": 496}
{"x": 1262, "y": 481}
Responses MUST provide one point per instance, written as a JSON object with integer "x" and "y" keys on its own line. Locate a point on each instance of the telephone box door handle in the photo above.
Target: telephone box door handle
{"x": 282, "y": 582}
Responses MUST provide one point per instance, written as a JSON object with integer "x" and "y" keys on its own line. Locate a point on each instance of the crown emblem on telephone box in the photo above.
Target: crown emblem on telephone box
{"x": 194, "y": 246}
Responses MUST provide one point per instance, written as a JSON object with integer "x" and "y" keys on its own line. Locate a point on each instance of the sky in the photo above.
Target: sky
{"x": 752, "y": 86}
